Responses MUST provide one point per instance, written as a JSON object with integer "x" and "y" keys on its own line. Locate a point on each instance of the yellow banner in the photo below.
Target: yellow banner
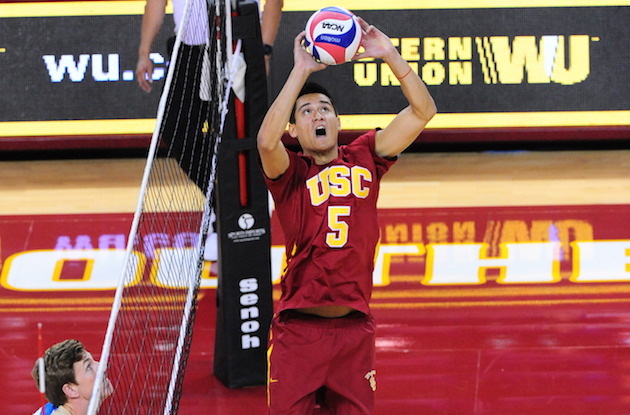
{"x": 306, "y": 5}
{"x": 107, "y": 8}
{"x": 75, "y": 8}
{"x": 348, "y": 122}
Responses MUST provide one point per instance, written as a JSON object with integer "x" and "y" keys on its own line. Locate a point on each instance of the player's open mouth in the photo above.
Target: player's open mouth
{"x": 319, "y": 131}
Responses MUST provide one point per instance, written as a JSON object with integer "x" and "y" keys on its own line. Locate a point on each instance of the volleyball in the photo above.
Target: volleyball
{"x": 333, "y": 35}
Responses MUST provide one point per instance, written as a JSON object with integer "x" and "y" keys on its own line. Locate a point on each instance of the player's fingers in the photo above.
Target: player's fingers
{"x": 300, "y": 37}
{"x": 142, "y": 81}
{"x": 364, "y": 25}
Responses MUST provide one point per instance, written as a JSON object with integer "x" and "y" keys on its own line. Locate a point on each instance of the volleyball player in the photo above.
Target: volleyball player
{"x": 322, "y": 337}
{"x": 69, "y": 375}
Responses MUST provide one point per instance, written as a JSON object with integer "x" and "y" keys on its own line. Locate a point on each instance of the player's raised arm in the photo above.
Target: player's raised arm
{"x": 408, "y": 124}
{"x": 273, "y": 156}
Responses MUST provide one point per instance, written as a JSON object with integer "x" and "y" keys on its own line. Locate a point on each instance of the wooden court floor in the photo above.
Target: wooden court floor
{"x": 513, "y": 178}
{"x": 536, "y": 354}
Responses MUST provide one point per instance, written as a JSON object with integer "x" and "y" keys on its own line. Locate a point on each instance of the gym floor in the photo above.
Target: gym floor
{"x": 500, "y": 342}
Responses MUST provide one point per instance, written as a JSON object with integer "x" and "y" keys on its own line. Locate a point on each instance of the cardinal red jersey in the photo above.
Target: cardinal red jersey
{"x": 328, "y": 215}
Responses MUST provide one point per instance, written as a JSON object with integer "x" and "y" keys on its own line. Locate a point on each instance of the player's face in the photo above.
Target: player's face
{"x": 85, "y": 375}
{"x": 316, "y": 123}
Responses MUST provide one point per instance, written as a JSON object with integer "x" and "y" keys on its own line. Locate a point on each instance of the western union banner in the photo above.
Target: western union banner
{"x": 68, "y": 67}
{"x": 489, "y": 65}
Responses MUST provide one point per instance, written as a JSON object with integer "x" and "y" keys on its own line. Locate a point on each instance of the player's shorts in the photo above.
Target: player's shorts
{"x": 329, "y": 358}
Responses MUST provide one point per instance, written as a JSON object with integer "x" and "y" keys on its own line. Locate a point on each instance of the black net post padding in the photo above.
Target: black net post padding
{"x": 244, "y": 292}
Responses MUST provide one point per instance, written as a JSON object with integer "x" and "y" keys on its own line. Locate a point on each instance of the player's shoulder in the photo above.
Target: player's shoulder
{"x": 47, "y": 409}
{"x": 362, "y": 143}
{"x": 367, "y": 138}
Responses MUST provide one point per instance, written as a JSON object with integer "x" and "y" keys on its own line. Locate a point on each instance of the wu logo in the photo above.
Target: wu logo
{"x": 544, "y": 63}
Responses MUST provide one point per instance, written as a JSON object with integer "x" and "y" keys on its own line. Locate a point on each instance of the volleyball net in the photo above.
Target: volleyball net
{"x": 149, "y": 331}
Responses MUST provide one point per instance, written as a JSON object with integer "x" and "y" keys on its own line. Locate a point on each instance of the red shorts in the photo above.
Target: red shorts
{"x": 329, "y": 358}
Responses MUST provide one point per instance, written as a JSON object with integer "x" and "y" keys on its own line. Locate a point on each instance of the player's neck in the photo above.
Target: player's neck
{"x": 76, "y": 407}
{"x": 324, "y": 157}
{"x": 69, "y": 408}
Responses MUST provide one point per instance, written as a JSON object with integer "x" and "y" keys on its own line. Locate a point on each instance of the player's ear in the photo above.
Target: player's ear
{"x": 70, "y": 390}
{"x": 292, "y": 130}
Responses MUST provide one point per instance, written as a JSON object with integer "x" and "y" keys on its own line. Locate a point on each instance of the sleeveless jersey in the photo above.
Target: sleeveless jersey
{"x": 329, "y": 219}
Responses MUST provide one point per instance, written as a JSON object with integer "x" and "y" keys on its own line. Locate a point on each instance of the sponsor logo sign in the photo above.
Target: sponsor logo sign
{"x": 521, "y": 64}
{"x": 426, "y": 258}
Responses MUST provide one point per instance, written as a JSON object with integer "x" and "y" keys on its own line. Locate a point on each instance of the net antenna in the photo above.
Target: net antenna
{"x": 149, "y": 332}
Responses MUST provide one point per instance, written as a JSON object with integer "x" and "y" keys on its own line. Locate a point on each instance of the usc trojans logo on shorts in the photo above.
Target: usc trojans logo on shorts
{"x": 371, "y": 377}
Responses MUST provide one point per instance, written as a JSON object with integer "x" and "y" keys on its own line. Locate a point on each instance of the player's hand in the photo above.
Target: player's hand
{"x": 144, "y": 73}
{"x": 375, "y": 43}
{"x": 106, "y": 389}
{"x": 303, "y": 59}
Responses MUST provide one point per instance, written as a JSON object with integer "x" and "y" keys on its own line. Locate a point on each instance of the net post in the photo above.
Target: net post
{"x": 244, "y": 292}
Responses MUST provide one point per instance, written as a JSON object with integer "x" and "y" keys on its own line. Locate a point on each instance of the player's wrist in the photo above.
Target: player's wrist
{"x": 391, "y": 55}
{"x": 300, "y": 72}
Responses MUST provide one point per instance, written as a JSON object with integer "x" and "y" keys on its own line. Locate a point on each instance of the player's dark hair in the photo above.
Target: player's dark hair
{"x": 312, "y": 88}
{"x": 59, "y": 370}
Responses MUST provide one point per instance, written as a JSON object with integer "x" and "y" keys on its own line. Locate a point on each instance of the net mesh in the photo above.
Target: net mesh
{"x": 149, "y": 331}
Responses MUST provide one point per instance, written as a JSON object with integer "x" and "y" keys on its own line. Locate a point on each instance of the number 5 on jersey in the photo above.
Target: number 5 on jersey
{"x": 338, "y": 237}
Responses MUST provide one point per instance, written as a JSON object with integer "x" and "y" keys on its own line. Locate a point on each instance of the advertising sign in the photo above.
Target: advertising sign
{"x": 488, "y": 65}
{"x": 426, "y": 257}
{"x": 68, "y": 67}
